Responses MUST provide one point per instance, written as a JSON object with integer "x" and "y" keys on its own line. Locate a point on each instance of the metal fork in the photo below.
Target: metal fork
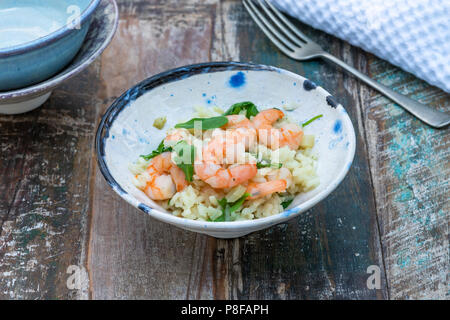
{"x": 296, "y": 45}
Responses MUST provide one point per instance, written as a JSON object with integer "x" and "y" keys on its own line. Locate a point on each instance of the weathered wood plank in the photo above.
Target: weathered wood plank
{"x": 132, "y": 255}
{"x": 44, "y": 195}
{"x": 54, "y": 201}
{"x": 410, "y": 168}
{"x": 325, "y": 253}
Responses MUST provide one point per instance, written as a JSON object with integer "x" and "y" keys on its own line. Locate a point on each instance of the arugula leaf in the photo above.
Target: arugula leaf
{"x": 286, "y": 203}
{"x": 229, "y": 208}
{"x": 160, "y": 149}
{"x": 222, "y": 202}
{"x": 312, "y": 119}
{"x": 185, "y": 158}
{"x": 266, "y": 164}
{"x": 250, "y": 109}
{"x": 206, "y": 123}
{"x": 237, "y": 205}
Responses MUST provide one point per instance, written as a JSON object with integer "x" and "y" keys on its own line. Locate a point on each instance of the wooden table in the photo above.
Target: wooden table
{"x": 56, "y": 210}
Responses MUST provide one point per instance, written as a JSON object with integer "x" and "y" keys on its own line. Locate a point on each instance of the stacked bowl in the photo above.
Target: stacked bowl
{"x": 43, "y": 43}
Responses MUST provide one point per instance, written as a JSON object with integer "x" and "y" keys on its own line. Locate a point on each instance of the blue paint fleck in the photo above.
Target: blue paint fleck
{"x": 142, "y": 140}
{"x": 144, "y": 208}
{"x": 203, "y": 94}
{"x": 333, "y": 143}
{"x": 208, "y": 101}
{"x": 124, "y": 131}
{"x": 171, "y": 94}
{"x": 295, "y": 83}
{"x": 113, "y": 137}
{"x": 337, "y": 127}
{"x": 308, "y": 85}
{"x": 237, "y": 80}
{"x": 288, "y": 212}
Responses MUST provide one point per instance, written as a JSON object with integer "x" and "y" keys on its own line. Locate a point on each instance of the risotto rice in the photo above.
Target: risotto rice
{"x": 200, "y": 201}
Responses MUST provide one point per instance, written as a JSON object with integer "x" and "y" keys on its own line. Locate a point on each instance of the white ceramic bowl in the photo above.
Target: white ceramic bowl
{"x": 126, "y": 130}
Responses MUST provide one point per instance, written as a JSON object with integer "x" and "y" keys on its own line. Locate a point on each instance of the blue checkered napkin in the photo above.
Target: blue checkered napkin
{"x": 411, "y": 34}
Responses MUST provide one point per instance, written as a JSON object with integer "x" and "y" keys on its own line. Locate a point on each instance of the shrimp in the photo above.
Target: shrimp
{"x": 242, "y": 127}
{"x": 176, "y": 135}
{"x": 210, "y": 168}
{"x": 290, "y": 135}
{"x": 282, "y": 173}
{"x": 238, "y": 121}
{"x": 165, "y": 178}
{"x": 259, "y": 190}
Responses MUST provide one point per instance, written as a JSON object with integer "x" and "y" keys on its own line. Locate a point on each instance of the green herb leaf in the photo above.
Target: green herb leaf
{"x": 188, "y": 170}
{"x": 229, "y": 208}
{"x": 220, "y": 219}
{"x": 222, "y": 202}
{"x": 185, "y": 158}
{"x": 266, "y": 164}
{"x": 160, "y": 149}
{"x": 286, "y": 203}
{"x": 312, "y": 119}
{"x": 237, "y": 205}
{"x": 206, "y": 123}
{"x": 250, "y": 109}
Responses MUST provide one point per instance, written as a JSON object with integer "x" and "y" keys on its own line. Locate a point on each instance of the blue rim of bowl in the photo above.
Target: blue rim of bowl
{"x": 184, "y": 72}
{"x": 49, "y": 38}
{"x": 54, "y": 81}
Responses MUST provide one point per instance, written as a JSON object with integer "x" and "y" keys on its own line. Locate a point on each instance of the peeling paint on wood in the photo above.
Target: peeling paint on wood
{"x": 410, "y": 165}
{"x": 56, "y": 210}
{"x": 121, "y": 265}
{"x": 44, "y": 205}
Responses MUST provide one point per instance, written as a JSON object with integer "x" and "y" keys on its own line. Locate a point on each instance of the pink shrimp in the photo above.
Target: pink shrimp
{"x": 240, "y": 126}
{"x": 259, "y": 190}
{"x": 290, "y": 135}
{"x": 165, "y": 178}
{"x": 176, "y": 135}
{"x": 211, "y": 170}
{"x": 238, "y": 121}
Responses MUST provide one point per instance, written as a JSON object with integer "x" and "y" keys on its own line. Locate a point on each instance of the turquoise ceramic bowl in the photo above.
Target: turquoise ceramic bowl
{"x": 39, "y": 38}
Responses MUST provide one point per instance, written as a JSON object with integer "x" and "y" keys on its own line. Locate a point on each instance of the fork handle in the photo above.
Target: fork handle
{"x": 434, "y": 118}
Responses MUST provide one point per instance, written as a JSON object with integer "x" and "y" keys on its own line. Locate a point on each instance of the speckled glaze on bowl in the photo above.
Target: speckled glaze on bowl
{"x": 24, "y": 64}
{"x": 100, "y": 33}
{"x": 126, "y": 130}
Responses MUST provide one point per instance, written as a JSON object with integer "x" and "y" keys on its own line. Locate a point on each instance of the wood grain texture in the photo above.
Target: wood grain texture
{"x": 411, "y": 170}
{"x": 132, "y": 255}
{"x": 56, "y": 210}
{"x": 325, "y": 253}
{"x": 44, "y": 195}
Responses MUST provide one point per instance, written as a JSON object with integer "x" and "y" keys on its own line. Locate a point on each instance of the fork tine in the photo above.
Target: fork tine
{"x": 298, "y": 41}
{"x": 268, "y": 29}
{"x": 300, "y": 34}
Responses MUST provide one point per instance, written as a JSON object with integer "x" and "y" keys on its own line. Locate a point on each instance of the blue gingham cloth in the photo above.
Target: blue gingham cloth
{"x": 411, "y": 34}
